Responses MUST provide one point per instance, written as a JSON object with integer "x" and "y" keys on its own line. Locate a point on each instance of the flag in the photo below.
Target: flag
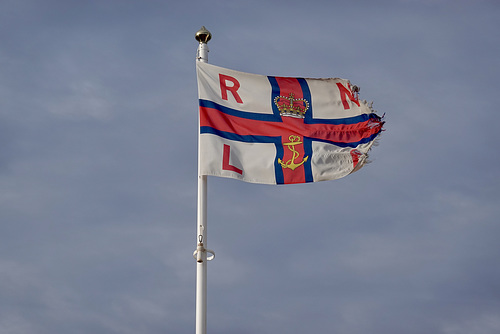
{"x": 281, "y": 130}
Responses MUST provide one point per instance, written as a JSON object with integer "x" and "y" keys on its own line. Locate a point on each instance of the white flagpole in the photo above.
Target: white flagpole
{"x": 200, "y": 254}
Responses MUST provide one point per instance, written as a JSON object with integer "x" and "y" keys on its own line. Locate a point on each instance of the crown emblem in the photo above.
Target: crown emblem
{"x": 290, "y": 106}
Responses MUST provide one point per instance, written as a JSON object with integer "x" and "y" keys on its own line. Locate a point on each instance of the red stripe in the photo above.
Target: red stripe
{"x": 296, "y": 175}
{"x": 289, "y": 85}
{"x": 342, "y": 133}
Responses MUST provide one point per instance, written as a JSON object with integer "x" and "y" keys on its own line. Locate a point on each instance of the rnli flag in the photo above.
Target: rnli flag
{"x": 281, "y": 130}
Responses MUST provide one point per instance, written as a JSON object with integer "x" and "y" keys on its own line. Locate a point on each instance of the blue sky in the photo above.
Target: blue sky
{"x": 98, "y": 124}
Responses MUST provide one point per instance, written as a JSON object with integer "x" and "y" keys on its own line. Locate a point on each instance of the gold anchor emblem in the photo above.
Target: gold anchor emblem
{"x": 294, "y": 140}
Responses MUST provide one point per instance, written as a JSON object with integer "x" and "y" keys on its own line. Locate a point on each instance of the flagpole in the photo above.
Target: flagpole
{"x": 200, "y": 254}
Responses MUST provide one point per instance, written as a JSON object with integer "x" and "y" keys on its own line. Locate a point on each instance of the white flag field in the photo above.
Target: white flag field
{"x": 281, "y": 130}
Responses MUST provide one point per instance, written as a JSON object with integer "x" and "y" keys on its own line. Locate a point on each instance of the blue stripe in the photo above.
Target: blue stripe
{"x": 278, "y": 171}
{"x": 308, "y": 152}
{"x": 241, "y": 114}
{"x": 339, "y": 121}
{"x": 242, "y": 138}
{"x": 306, "y": 93}
{"x": 275, "y": 92}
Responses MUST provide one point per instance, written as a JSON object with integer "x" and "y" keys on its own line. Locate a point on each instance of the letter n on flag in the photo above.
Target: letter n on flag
{"x": 280, "y": 130}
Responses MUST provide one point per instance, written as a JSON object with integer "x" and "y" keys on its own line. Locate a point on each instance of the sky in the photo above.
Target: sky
{"x": 98, "y": 176}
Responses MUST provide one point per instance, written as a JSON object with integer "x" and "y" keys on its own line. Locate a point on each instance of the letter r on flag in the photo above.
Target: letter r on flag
{"x": 233, "y": 89}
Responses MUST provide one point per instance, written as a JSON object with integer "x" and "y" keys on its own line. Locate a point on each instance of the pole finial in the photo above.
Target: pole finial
{"x": 203, "y": 35}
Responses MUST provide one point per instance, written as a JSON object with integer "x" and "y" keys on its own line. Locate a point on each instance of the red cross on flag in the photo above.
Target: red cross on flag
{"x": 280, "y": 130}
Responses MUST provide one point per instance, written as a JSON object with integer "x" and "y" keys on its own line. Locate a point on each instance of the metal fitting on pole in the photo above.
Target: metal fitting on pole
{"x": 199, "y": 252}
{"x": 203, "y": 36}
